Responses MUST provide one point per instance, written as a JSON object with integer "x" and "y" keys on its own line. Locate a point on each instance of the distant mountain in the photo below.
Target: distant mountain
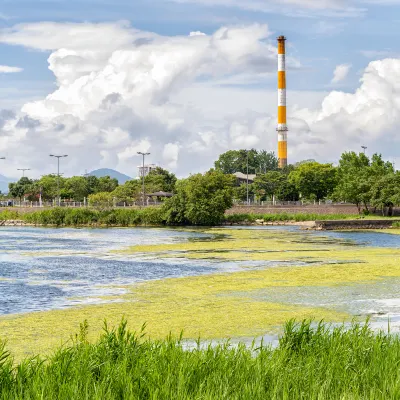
{"x": 99, "y": 173}
{"x": 4, "y": 181}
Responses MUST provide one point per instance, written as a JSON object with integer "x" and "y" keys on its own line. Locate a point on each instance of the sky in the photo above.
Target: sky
{"x": 187, "y": 80}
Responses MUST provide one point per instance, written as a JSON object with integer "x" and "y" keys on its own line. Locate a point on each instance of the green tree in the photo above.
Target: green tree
{"x": 385, "y": 192}
{"x": 127, "y": 192}
{"x": 240, "y": 192}
{"x": 352, "y": 175}
{"x": 236, "y": 161}
{"x": 357, "y": 175}
{"x": 275, "y": 184}
{"x": 201, "y": 199}
{"x": 314, "y": 180}
{"x": 21, "y": 188}
{"x": 101, "y": 200}
{"x": 77, "y": 187}
{"x": 48, "y": 186}
{"x": 160, "y": 179}
{"x": 106, "y": 184}
{"x": 92, "y": 183}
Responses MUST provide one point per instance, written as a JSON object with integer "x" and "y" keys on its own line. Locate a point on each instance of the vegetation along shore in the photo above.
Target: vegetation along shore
{"x": 313, "y": 361}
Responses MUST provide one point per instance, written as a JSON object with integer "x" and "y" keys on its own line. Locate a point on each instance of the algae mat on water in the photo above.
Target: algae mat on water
{"x": 219, "y": 305}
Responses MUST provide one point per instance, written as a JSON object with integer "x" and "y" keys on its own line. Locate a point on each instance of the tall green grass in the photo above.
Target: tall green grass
{"x": 146, "y": 216}
{"x": 284, "y": 217}
{"x": 311, "y": 362}
{"x": 92, "y": 217}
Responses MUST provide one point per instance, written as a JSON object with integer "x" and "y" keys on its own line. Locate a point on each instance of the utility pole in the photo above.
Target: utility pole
{"x": 364, "y": 148}
{"x": 23, "y": 171}
{"x": 247, "y": 182}
{"x": 143, "y": 154}
{"x": 58, "y": 174}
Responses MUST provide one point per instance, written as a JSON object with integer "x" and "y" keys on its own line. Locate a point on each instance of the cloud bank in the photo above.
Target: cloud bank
{"x": 120, "y": 90}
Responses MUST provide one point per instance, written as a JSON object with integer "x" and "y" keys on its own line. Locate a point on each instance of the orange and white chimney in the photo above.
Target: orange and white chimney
{"x": 282, "y": 123}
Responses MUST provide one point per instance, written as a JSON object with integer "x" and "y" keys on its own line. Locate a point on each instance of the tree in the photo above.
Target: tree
{"x": 357, "y": 175}
{"x": 101, "y": 200}
{"x": 160, "y": 179}
{"x": 236, "y": 161}
{"x": 92, "y": 183}
{"x": 275, "y": 184}
{"x": 201, "y": 199}
{"x": 21, "y": 188}
{"x": 314, "y": 180}
{"x": 240, "y": 192}
{"x": 106, "y": 184}
{"x": 77, "y": 187}
{"x": 126, "y": 192}
{"x": 48, "y": 185}
{"x": 385, "y": 192}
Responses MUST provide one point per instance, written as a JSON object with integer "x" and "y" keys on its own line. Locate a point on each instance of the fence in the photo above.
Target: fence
{"x": 73, "y": 204}
{"x": 278, "y": 203}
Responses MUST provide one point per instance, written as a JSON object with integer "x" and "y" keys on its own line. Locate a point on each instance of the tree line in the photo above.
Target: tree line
{"x": 202, "y": 199}
{"x": 369, "y": 183}
{"x": 79, "y": 188}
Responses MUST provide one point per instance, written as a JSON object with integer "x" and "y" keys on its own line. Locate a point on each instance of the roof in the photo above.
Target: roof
{"x": 240, "y": 175}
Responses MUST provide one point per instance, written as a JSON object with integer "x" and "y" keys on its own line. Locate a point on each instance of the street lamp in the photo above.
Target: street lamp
{"x": 143, "y": 154}
{"x": 364, "y": 148}
{"x": 58, "y": 174}
{"x": 247, "y": 182}
{"x": 23, "y": 171}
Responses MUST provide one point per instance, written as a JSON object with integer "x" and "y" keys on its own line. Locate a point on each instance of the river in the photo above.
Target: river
{"x": 44, "y": 268}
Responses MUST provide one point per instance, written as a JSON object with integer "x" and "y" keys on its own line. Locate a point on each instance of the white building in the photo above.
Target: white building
{"x": 147, "y": 169}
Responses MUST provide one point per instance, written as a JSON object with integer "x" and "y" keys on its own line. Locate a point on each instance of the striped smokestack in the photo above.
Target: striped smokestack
{"x": 282, "y": 127}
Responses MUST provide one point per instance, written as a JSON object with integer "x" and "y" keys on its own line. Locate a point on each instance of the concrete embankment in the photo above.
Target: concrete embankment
{"x": 16, "y": 222}
{"x": 354, "y": 224}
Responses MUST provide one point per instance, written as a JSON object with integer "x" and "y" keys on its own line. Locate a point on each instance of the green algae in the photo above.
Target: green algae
{"x": 224, "y": 304}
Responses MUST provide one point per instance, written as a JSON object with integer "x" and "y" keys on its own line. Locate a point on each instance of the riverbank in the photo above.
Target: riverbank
{"x": 310, "y": 362}
{"x": 155, "y": 216}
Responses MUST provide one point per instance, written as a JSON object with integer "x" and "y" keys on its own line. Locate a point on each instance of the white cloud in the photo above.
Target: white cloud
{"x": 197, "y": 33}
{"x": 114, "y": 90}
{"x": 159, "y": 94}
{"x": 4, "y": 69}
{"x": 330, "y": 8}
{"x": 341, "y": 72}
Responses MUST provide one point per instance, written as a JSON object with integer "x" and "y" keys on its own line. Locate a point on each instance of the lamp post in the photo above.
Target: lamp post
{"x": 143, "y": 155}
{"x": 23, "y": 171}
{"x": 364, "y": 148}
{"x": 247, "y": 181}
{"x": 58, "y": 174}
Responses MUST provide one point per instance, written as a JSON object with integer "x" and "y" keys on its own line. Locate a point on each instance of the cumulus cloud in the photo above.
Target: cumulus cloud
{"x": 114, "y": 88}
{"x": 4, "y": 69}
{"x": 340, "y": 73}
{"x": 133, "y": 94}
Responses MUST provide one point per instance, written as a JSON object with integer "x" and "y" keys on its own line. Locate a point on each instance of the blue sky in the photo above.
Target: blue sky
{"x": 319, "y": 42}
{"x": 195, "y": 113}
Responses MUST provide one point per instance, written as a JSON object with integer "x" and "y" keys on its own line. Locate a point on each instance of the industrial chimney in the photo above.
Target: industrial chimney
{"x": 282, "y": 124}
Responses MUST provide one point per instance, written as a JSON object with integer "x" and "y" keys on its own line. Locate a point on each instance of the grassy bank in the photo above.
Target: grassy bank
{"x": 148, "y": 216}
{"x": 286, "y": 217}
{"x": 311, "y": 362}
